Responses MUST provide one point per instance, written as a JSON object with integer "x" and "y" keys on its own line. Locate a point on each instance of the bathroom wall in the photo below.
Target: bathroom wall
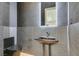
{"x": 62, "y": 13}
{"x": 29, "y": 14}
{"x": 74, "y": 30}
{"x": 5, "y": 13}
{"x": 60, "y": 33}
{"x": 34, "y": 47}
{"x": 74, "y": 12}
{"x": 9, "y": 20}
{"x": 13, "y": 20}
{"x": 1, "y": 40}
{"x": 5, "y": 18}
{"x": 74, "y": 39}
{"x": 28, "y": 17}
{"x": 4, "y": 23}
{"x": 61, "y": 48}
{"x": 29, "y": 29}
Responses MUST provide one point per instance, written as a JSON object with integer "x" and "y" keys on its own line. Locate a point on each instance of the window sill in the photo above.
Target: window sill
{"x": 48, "y": 26}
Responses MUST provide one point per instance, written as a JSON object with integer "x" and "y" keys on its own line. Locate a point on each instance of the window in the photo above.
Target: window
{"x": 50, "y": 16}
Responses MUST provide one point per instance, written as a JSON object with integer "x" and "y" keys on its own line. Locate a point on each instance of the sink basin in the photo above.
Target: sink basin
{"x": 47, "y": 40}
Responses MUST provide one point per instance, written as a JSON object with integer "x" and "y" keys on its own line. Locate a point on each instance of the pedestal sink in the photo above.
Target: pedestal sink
{"x": 47, "y": 41}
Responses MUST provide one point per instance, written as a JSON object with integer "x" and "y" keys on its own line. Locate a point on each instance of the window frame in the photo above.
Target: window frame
{"x": 43, "y": 20}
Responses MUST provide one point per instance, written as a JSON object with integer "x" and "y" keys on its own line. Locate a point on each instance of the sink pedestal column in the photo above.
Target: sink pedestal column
{"x": 49, "y": 49}
{"x": 49, "y": 43}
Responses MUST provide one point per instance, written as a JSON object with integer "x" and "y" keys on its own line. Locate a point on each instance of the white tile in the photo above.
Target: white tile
{"x": 74, "y": 39}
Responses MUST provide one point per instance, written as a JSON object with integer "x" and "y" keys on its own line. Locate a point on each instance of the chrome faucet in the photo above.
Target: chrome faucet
{"x": 48, "y": 34}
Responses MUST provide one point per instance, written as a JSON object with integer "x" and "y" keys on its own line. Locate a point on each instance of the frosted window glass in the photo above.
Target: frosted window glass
{"x": 50, "y": 16}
